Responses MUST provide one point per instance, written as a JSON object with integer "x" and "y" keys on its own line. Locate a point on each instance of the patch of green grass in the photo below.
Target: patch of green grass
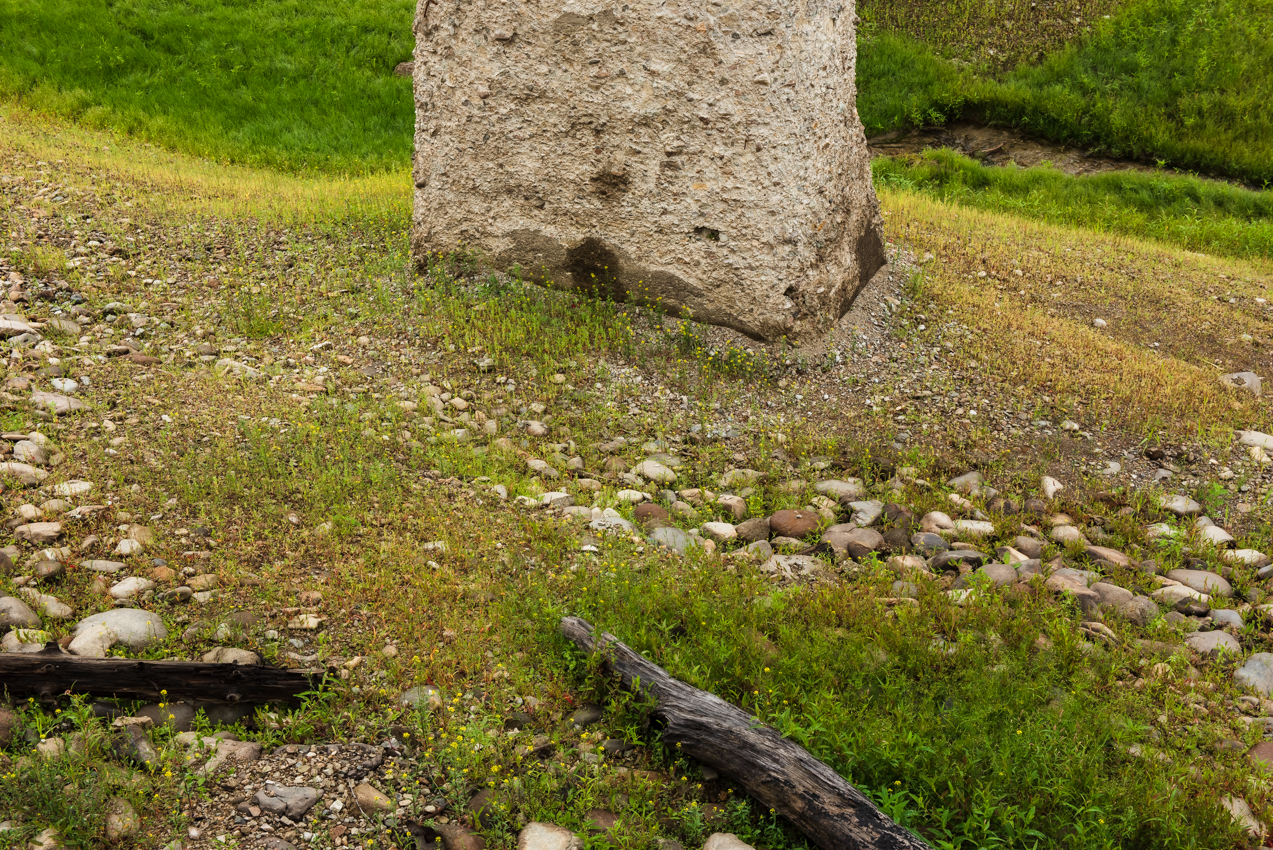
{"x": 286, "y": 84}
{"x": 1200, "y": 215}
{"x": 1182, "y": 83}
{"x": 39, "y": 260}
{"x": 903, "y": 83}
{"x": 957, "y": 721}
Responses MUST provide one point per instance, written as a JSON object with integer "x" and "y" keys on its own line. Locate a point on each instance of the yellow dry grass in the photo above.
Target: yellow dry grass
{"x": 1033, "y": 291}
{"x": 178, "y": 183}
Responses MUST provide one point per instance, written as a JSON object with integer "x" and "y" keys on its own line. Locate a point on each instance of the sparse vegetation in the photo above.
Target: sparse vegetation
{"x": 287, "y": 442}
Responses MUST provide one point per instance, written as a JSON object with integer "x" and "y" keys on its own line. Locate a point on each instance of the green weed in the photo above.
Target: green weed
{"x": 732, "y": 361}
{"x": 1196, "y": 214}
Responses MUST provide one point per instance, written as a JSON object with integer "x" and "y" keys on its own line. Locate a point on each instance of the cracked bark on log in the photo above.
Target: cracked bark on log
{"x": 774, "y": 770}
{"x": 50, "y": 672}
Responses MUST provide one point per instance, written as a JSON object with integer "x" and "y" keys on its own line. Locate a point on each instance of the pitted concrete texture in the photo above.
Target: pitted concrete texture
{"x": 707, "y": 159}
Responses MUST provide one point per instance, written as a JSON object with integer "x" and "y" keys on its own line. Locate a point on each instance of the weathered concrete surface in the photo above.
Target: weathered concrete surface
{"x": 704, "y": 158}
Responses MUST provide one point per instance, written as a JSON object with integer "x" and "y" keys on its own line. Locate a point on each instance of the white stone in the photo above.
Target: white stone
{"x": 230, "y": 655}
{"x": 736, "y": 478}
{"x": 14, "y": 613}
{"x": 969, "y": 482}
{"x": 936, "y": 522}
{"x": 24, "y": 640}
{"x": 39, "y": 533}
{"x": 1214, "y": 535}
{"x": 721, "y": 532}
{"x": 1256, "y": 673}
{"x": 1256, "y": 438}
{"x": 26, "y": 451}
{"x": 1203, "y": 582}
{"x": 1179, "y": 505}
{"x": 608, "y": 178}
{"x": 49, "y": 606}
{"x": 12, "y": 325}
{"x": 24, "y": 473}
{"x": 847, "y": 488}
{"x": 306, "y": 622}
{"x": 630, "y": 497}
{"x": 99, "y": 566}
{"x": 1248, "y": 381}
{"x": 133, "y": 627}
{"x": 130, "y": 587}
{"x": 655, "y": 471}
{"x": 122, "y": 821}
{"x": 973, "y": 528}
{"x": 95, "y": 642}
{"x": 1175, "y": 593}
{"x": 57, "y": 403}
{"x": 866, "y": 513}
{"x": 1246, "y": 557}
{"x": 725, "y": 841}
{"x": 547, "y": 836}
{"x": 736, "y": 505}
{"x": 1067, "y": 534}
{"x": 1211, "y": 644}
{"x": 1242, "y": 815}
{"x": 126, "y": 548}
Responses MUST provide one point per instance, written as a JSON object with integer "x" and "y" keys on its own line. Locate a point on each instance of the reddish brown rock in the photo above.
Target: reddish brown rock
{"x": 1262, "y": 754}
{"x": 650, "y": 515}
{"x": 794, "y": 523}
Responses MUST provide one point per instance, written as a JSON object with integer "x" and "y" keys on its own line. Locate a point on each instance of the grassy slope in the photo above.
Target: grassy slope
{"x": 1196, "y": 214}
{"x": 1180, "y": 82}
{"x": 289, "y": 84}
{"x": 309, "y": 85}
{"x": 953, "y": 744}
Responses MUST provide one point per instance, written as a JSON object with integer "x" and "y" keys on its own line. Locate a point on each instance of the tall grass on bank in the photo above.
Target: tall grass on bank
{"x": 1199, "y": 215}
{"x": 285, "y": 84}
{"x": 903, "y": 83}
{"x": 1183, "y": 83}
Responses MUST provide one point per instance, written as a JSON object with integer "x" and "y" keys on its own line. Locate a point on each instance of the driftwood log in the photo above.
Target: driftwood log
{"x": 774, "y": 770}
{"x": 50, "y": 673}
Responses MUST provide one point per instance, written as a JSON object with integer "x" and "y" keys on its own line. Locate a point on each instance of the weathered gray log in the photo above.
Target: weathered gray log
{"x": 774, "y": 770}
{"x": 49, "y": 673}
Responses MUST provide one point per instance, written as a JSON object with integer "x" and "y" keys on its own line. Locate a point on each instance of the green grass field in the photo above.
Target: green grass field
{"x": 310, "y": 86}
{"x": 1184, "y": 84}
{"x": 285, "y": 84}
{"x": 1199, "y": 215}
